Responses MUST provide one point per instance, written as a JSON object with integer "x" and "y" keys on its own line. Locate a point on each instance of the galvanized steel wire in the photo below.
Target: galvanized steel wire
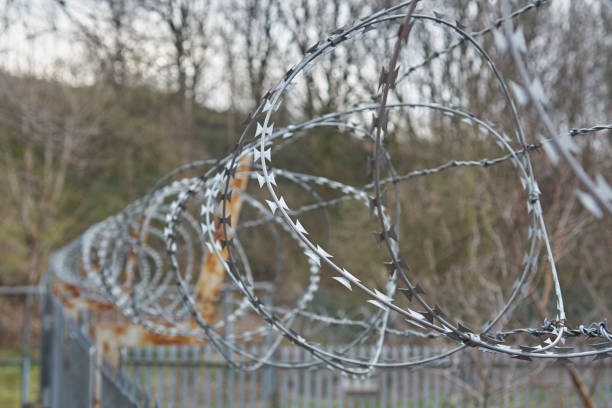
{"x": 145, "y": 260}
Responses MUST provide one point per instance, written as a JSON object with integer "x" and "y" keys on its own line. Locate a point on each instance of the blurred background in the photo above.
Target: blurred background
{"x": 98, "y": 99}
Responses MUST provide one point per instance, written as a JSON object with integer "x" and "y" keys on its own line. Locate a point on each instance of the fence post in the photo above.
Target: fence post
{"x": 57, "y": 353}
{"x": 270, "y": 392}
{"x": 227, "y": 310}
{"x": 25, "y": 350}
{"x": 92, "y": 376}
{"x": 46, "y": 349}
{"x": 84, "y": 321}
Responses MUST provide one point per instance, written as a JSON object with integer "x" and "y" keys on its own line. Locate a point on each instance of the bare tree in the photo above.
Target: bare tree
{"x": 107, "y": 31}
{"x": 308, "y": 23}
{"x": 186, "y": 24}
{"x": 50, "y": 140}
{"x": 250, "y": 43}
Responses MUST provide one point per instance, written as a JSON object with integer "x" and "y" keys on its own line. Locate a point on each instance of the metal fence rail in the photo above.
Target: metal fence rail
{"x": 196, "y": 376}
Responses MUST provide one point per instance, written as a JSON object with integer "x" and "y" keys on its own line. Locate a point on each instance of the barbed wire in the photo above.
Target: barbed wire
{"x": 147, "y": 260}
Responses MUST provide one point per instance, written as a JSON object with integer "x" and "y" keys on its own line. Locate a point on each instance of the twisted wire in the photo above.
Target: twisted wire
{"x": 145, "y": 260}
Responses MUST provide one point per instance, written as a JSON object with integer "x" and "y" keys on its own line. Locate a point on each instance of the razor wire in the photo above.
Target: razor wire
{"x": 146, "y": 259}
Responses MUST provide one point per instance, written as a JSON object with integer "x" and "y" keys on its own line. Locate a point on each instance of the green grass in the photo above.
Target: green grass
{"x": 10, "y": 381}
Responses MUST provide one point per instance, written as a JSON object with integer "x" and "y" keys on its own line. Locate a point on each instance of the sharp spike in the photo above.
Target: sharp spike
{"x": 403, "y": 264}
{"x": 390, "y": 267}
{"x": 407, "y": 292}
{"x": 464, "y": 329}
{"x": 520, "y": 357}
{"x": 379, "y": 237}
{"x": 438, "y": 311}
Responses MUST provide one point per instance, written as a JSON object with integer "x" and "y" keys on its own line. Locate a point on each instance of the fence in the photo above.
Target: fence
{"x": 19, "y": 361}
{"x": 196, "y": 376}
{"x": 72, "y": 374}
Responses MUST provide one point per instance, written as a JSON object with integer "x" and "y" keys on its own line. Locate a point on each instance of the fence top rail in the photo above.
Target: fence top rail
{"x": 21, "y": 290}
{"x": 201, "y": 356}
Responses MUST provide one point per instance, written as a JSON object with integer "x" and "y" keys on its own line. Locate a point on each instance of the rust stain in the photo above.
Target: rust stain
{"x": 88, "y": 304}
{"x": 120, "y": 330}
{"x": 132, "y": 259}
{"x": 112, "y": 337}
{"x": 154, "y": 339}
{"x": 212, "y": 273}
{"x": 61, "y": 290}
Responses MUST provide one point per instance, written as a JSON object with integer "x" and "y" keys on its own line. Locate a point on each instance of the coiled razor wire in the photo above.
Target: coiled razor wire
{"x": 146, "y": 259}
